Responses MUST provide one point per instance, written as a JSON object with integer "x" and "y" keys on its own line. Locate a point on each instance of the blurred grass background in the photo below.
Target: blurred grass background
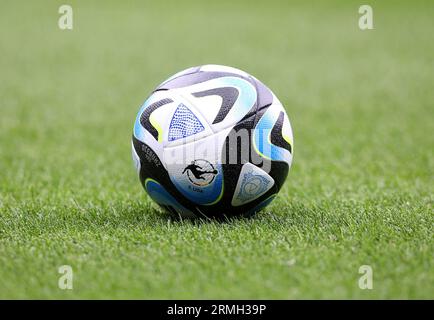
{"x": 359, "y": 192}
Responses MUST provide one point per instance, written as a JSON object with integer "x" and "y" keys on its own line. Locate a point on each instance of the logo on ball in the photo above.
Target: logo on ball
{"x": 200, "y": 172}
{"x": 252, "y": 185}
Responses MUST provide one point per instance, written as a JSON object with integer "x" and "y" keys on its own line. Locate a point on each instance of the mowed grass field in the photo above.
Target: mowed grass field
{"x": 360, "y": 191}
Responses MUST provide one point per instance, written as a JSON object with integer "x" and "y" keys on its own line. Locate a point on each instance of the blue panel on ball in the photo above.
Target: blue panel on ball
{"x": 157, "y": 192}
{"x": 184, "y": 123}
{"x": 261, "y": 138}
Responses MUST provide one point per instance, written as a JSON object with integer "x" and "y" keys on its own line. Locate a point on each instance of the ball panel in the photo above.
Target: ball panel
{"x": 238, "y": 97}
{"x": 139, "y": 131}
{"x": 276, "y": 135}
{"x": 228, "y": 97}
{"x": 252, "y": 183}
{"x": 159, "y": 194}
{"x": 153, "y": 129}
{"x": 184, "y": 123}
{"x": 265, "y": 96}
{"x": 195, "y": 169}
{"x": 261, "y": 136}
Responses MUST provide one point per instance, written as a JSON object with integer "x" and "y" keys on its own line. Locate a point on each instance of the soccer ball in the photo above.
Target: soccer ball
{"x": 212, "y": 141}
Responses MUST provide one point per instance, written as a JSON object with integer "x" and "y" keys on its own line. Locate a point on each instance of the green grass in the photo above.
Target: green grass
{"x": 360, "y": 190}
